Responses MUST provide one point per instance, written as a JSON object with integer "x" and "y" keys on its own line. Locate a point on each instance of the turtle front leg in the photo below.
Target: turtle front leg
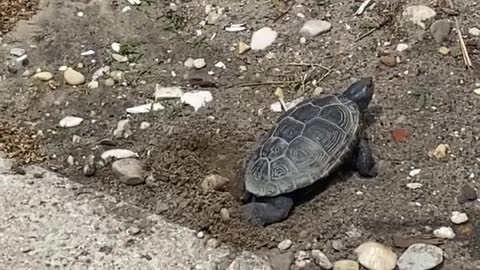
{"x": 264, "y": 213}
{"x": 363, "y": 159}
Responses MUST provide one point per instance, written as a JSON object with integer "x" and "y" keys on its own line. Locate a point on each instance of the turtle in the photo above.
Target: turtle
{"x": 306, "y": 144}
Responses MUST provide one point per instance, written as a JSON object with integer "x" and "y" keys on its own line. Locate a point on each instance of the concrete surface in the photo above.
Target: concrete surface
{"x": 52, "y": 223}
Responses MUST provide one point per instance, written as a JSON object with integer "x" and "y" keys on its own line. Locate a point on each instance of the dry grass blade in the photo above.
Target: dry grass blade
{"x": 466, "y": 56}
{"x": 362, "y": 7}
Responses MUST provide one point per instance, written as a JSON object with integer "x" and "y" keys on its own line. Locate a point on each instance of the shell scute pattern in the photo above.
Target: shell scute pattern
{"x": 307, "y": 142}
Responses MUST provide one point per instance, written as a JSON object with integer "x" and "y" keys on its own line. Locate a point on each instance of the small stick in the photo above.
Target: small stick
{"x": 372, "y": 30}
{"x": 260, "y": 83}
{"x": 284, "y": 13}
{"x": 306, "y": 65}
{"x": 466, "y": 57}
{"x": 362, "y": 7}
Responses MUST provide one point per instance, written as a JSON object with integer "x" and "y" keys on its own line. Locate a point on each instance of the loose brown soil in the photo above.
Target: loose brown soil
{"x": 428, "y": 94}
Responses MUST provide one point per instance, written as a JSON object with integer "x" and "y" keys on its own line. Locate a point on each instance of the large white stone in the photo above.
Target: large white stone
{"x": 262, "y": 38}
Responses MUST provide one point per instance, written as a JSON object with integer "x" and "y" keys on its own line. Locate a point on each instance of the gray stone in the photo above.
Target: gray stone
{"x": 420, "y": 257}
{"x": 129, "y": 171}
{"x": 281, "y": 261}
{"x": 315, "y": 27}
{"x": 285, "y": 244}
{"x": 321, "y": 259}
{"x": 440, "y": 30}
{"x": 73, "y": 77}
{"x": 262, "y": 38}
{"x": 78, "y": 228}
{"x": 346, "y": 265}
{"x": 474, "y": 31}
{"x": 418, "y": 14}
{"x": 17, "y": 52}
{"x": 249, "y": 261}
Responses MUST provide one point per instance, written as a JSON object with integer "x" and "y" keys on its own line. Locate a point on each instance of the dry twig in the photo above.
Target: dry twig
{"x": 362, "y": 7}
{"x": 466, "y": 56}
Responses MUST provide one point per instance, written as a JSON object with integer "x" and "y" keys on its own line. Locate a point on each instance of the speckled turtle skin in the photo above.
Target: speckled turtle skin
{"x": 305, "y": 145}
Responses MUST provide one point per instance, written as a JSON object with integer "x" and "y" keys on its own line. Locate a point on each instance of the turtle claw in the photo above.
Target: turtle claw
{"x": 265, "y": 213}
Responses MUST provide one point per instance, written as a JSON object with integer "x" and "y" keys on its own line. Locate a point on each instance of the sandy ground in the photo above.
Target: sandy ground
{"x": 428, "y": 94}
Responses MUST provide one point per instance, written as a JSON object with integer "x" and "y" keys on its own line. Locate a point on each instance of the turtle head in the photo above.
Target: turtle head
{"x": 361, "y": 92}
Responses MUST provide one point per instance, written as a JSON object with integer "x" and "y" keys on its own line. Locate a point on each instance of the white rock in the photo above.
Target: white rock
{"x": 119, "y": 58}
{"x": 321, "y": 259}
{"x": 444, "y": 232}
{"x": 285, "y": 244}
{"x": 458, "y": 217}
{"x": 199, "y": 63}
{"x": 167, "y": 92}
{"x": 418, "y": 14}
{"x": 345, "y": 265}
{"x": 318, "y": 91}
{"x": 93, "y": 85}
{"x": 71, "y": 121}
{"x": 73, "y": 77}
{"x": 17, "y": 51}
{"x": 87, "y": 53}
{"x": 477, "y": 91}
{"x": 118, "y": 75}
{"x": 402, "y": 47}
{"x": 101, "y": 72}
{"x": 80, "y": 14}
{"x": 76, "y": 139}
{"x": 420, "y": 257}
{"x": 62, "y": 68}
{"x": 134, "y": 2}
{"x": 122, "y": 127}
{"x": 43, "y": 76}
{"x": 414, "y": 172}
{"x": 144, "y": 125}
{"x": 414, "y": 185}
{"x": 375, "y": 256}
{"x": 474, "y": 31}
{"x": 116, "y": 47}
{"x": 220, "y": 65}
{"x": 262, "y": 38}
{"x": 214, "y": 182}
{"x": 248, "y": 260}
{"x": 189, "y": 62}
{"x": 125, "y": 9}
{"x": 145, "y": 108}
{"x": 315, "y": 27}
{"x": 118, "y": 154}
{"x": 71, "y": 160}
{"x": 109, "y": 82}
{"x": 129, "y": 171}
{"x": 277, "y": 107}
{"x": 197, "y": 99}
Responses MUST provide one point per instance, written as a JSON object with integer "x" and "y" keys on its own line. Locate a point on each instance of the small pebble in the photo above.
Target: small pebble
{"x": 43, "y": 76}
{"x": 133, "y": 230}
{"x": 71, "y": 121}
{"x": 373, "y": 255}
{"x": 321, "y": 259}
{"x": 469, "y": 192}
{"x": 73, "y": 77}
{"x": 109, "y": 82}
{"x": 441, "y": 151}
{"x": 243, "y": 47}
{"x": 388, "y": 60}
{"x": 119, "y": 58}
{"x": 214, "y": 182}
{"x": 285, "y": 244}
{"x": 200, "y": 235}
{"x": 420, "y": 256}
{"x": 117, "y": 75}
{"x": 414, "y": 185}
{"x": 213, "y": 243}
{"x": 414, "y": 172}
{"x": 474, "y": 31}
{"x": 402, "y": 47}
{"x": 93, "y": 85}
{"x": 440, "y": 30}
{"x": 315, "y": 27}
{"x": 318, "y": 91}
{"x": 346, "y": 265}
{"x": 282, "y": 261}
{"x": 225, "y": 214}
{"x": 144, "y": 125}
{"x": 458, "y": 217}
{"x": 262, "y": 38}
{"x": 129, "y": 171}
{"x": 89, "y": 167}
{"x": 17, "y": 52}
{"x": 189, "y": 62}
{"x": 444, "y": 50}
{"x": 477, "y": 91}
{"x": 444, "y": 232}
{"x": 199, "y": 63}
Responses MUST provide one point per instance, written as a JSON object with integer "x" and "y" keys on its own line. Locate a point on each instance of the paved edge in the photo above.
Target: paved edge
{"x": 54, "y": 222}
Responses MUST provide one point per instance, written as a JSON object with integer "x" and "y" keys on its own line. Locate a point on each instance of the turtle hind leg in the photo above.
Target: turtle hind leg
{"x": 363, "y": 160}
{"x": 270, "y": 211}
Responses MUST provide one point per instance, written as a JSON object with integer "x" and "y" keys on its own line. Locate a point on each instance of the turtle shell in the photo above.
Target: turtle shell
{"x": 306, "y": 143}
